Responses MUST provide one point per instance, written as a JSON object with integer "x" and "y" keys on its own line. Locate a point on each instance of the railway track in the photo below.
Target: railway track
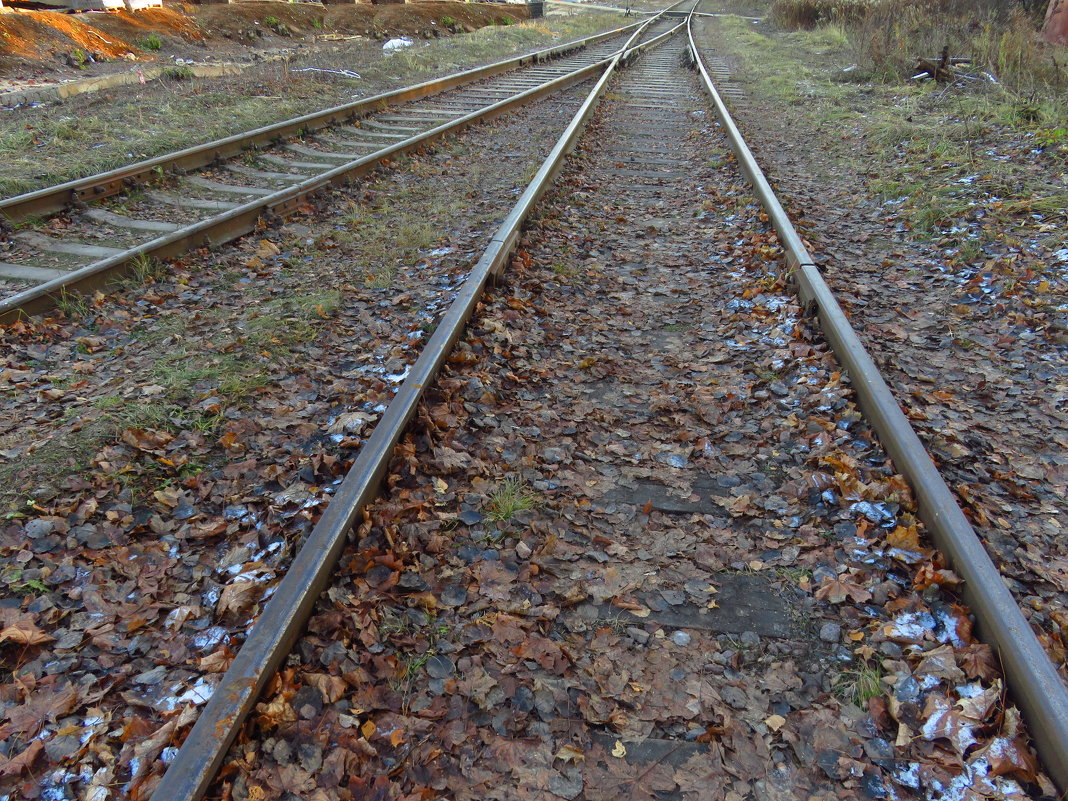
{"x": 644, "y": 153}
{"x": 646, "y": 332}
{"x": 214, "y": 192}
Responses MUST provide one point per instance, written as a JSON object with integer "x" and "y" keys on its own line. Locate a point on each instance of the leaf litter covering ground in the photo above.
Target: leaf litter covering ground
{"x": 965, "y": 315}
{"x": 166, "y": 452}
{"x": 496, "y": 629}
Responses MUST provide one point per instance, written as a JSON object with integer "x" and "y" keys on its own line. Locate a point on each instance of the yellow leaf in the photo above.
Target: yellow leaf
{"x": 440, "y": 486}
{"x": 368, "y": 729}
{"x": 775, "y": 722}
{"x": 569, "y": 754}
{"x": 267, "y": 249}
{"x": 643, "y": 612}
{"x": 620, "y": 750}
{"x": 588, "y": 362}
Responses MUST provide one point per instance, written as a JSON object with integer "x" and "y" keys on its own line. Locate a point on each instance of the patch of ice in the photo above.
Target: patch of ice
{"x": 910, "y": 626}
{"x": 948, "y": 628}
{"x": 199, "y": 693}
{"x": 928, "y": 682}
{"x": 208, "y": 638}
{"x": 908, "y": 776}
{"x": 970, "y": 690}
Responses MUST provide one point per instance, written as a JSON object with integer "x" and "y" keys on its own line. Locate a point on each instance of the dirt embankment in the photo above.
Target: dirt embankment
{"x": 54, "y": 44}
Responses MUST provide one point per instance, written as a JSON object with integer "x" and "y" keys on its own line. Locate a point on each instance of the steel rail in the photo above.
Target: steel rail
{"x": 242, "y": 219}
{"x": 1032, "y": 678}
{"x": 282, "y": 620}
{"x": 51, "y": 199}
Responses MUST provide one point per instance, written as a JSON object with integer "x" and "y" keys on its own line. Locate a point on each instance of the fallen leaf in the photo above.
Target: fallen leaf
{"x": 27, "y": 634}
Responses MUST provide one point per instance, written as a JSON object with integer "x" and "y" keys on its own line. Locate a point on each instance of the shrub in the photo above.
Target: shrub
{"x": 889, "y": 35}
{"x": 152, "y": 42}
{"x": 810, "y": 13}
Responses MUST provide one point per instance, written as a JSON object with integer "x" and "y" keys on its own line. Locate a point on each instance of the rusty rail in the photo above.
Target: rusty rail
{"x": 283, "y": 619}
{"x": 97, "y": 187}
{"x": 1032, "y": 678}
{"x": 238, "y": 221}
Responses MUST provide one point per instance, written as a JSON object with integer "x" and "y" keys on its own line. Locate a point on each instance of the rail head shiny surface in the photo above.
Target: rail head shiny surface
{"x": 1031, "y": 676}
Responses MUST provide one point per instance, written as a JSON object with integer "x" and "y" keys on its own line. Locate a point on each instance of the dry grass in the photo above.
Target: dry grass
{"x": 94, "y": 133}
{"x": 888, "y": 36}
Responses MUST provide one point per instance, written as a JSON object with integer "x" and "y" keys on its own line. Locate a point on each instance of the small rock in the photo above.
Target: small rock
{"x": 523, "y": 700}
{"x": 891, "y": 649}
{"x": 62, "y": 746}
{"x": 681, "y": 638}
{"x": 640, "y": 636}
{"x": 470, "y": 517}
{"x": 308, "y": 702}
{"x": 311, "y": 757}
{"x": 566, "y": 785}
{"x": 823, "y": 573}
{"x": 440, "y": 666}
{"x": 734, "y": 697}
{"x": 553, "y": 455}
{"x": 673, "y": 597}
{"x": 454, "y": 595}
{"x": 411, "y": 581}
{"x": 38, "y": 528}
{"x": 522, "y": 550}
{"x": 750, "y": 638}
{"x": 469, "y": 553}
{"x": 830, "y": 632}
{"x": 153, "y": 676}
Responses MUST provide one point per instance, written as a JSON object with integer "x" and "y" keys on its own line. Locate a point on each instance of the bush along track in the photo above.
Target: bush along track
{"x": 166, "y": 448}
{"x": 639, "y": 540}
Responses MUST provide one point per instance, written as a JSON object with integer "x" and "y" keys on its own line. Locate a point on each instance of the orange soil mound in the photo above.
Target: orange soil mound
{"x": 33, "y": 34}
{"x": 137, "y": 26}
{"x": 242, "y": 20}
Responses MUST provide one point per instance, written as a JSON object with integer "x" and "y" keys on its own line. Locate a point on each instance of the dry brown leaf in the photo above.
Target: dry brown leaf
{"x": 20, "y": 762}
{"x": 26, "y": 634}
{"x": 838, "y": 589}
